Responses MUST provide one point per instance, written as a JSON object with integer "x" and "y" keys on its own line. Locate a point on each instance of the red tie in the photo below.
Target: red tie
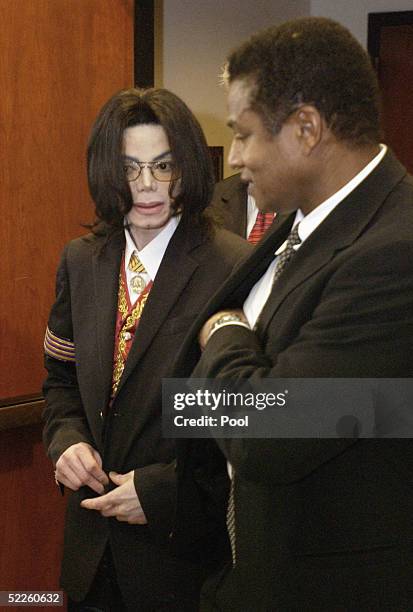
{"x": 262, "y": 223}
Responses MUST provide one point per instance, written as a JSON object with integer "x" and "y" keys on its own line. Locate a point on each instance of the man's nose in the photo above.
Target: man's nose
{"x": 146, "y": 180}
{"x": 234, "y": 157}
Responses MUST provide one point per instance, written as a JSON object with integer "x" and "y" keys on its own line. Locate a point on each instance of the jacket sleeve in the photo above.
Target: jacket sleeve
{"x": 362, "y": 327}
{"x": 65, "y": 421}
{"x": 155, "y": 485}
{"x": 204, "y": 508}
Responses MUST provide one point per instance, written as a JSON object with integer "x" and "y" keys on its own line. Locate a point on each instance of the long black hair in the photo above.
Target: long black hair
{"x": 106, "y": 177}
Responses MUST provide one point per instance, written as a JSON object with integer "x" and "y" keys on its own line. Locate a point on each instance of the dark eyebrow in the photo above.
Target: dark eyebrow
{"x": 157, "y": 158}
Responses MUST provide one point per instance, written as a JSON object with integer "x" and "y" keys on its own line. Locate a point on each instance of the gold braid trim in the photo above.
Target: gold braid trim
{"x": 122, "y": 301}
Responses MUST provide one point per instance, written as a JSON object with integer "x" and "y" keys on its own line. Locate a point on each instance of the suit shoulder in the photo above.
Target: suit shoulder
{"x": 228, "y": 186}
{"x": 88, "y": 244}
{"x": 394, "y": 220}
{"x": 231, "y": 181}
{"x": 81, "y": 242}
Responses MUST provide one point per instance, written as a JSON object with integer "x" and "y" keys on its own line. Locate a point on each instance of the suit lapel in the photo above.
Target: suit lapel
{"x": 244, "y": 277}
{"x": 106, "y": 266}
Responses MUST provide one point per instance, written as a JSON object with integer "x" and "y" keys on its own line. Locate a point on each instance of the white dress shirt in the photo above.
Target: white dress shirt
{"x": 252, "y": 212}
{"x": 150, "y": 256}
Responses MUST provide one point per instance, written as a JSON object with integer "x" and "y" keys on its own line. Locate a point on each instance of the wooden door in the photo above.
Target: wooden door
{"x": 59, "y": 62}
{"x": 391, "y": 46}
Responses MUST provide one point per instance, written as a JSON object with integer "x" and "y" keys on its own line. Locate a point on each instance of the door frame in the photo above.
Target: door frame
{"x": 377, "y": 21}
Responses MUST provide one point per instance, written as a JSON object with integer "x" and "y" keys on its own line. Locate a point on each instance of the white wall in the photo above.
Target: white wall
{"x": 194, "y": 38}
{"x": 353, "y": 13}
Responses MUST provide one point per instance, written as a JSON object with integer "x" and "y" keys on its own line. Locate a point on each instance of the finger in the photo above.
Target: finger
{"x": 88, "y": 504}
{"x": 92, "y": 504}
{"x": 68, "y": 477}
{"x": 103, "y": 503}
{"x": 94, "y": 484}
{"x": 83, "y": 478}
{"x": 97, "y": 457}
{"x": 91, "y": 463}
{"x": 69, "y": 467}
{"x": 71, "y": 460}
{"x": 88, "y": 470}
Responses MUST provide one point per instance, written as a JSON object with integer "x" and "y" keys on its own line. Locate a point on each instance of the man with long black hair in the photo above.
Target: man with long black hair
{"x": 126, "y": 295}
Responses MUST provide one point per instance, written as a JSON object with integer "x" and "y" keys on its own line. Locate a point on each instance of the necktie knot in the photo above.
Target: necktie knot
{"x": 135, "y": 264}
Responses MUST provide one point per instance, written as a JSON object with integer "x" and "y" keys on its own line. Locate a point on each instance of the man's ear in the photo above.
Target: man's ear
{"x": 309, "y": 127}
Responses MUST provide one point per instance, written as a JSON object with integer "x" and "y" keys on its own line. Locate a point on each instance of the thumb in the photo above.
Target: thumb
{"x": 118, "y": 479}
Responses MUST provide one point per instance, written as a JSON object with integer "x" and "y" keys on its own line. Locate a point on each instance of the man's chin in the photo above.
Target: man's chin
{"x": 263, "y": 204}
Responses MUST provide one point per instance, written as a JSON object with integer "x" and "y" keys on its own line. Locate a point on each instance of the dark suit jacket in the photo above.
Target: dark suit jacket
{"x": 128, "y": 434}
{"x": 230, "y": 202}
{"x": 324, "y": 524}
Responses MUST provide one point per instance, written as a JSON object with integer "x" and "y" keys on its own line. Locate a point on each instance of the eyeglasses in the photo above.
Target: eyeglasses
{"x": 161, "y": 170}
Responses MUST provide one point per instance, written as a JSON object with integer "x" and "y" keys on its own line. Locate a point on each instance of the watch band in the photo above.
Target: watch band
{"x": 227, "y": 319}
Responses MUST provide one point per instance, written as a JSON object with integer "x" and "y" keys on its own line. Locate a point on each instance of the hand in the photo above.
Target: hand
{"x": 206, "y": 329}
{"x": 122, "y": 502}
{"x": 81, "y": 465}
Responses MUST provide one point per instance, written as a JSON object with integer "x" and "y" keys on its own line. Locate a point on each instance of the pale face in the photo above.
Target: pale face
{"x": 152, "y": 204}
{"x": 272, "y": 165}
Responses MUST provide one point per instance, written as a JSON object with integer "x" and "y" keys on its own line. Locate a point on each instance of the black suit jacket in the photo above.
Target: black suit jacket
{"x": 323, "y": 524}
{"x": 128, "y": 434}
{"x": 230, "y": 202}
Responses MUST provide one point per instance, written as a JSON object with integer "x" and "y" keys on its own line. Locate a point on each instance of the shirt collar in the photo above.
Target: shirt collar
{"x": 152, "y": 254}
{"x": 311, "y": 221}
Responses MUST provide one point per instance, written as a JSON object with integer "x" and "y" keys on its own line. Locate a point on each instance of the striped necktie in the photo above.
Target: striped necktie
{"x": 135, "y": 264}
{"x": 231, "y": 521}
{"x": 262, "y": 223}
{"x": 284, "y": 258}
